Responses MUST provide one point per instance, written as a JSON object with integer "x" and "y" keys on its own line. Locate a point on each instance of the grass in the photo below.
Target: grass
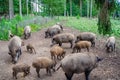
{"x": 6, "y": 25}
{"x": 80, "y": 23}
{"x": 84, "y": 25}
{"x": 90, "y": 25}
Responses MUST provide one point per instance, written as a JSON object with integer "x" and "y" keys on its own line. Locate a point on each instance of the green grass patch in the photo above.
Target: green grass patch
{"x": 82, "y": 24}
{"x": 90, "y": 25}
{"x": 6, "y": 25}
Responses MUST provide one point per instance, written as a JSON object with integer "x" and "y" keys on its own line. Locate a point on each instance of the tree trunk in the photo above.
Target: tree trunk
{"x": 64, "y": 7}
{"x": 88, "y": 8}
{"x": 104, "y": 24}
{"x": 36, "y": 5}
{"x": 27, "y": 6}
{"x": 31, "y": 6}
{"x": 81, "y": 8}
{"x": 20, "y": 8}
{"x": 11, "y": 10}
{"x": 91, "y": 3}
{"x": 70, "y": 7}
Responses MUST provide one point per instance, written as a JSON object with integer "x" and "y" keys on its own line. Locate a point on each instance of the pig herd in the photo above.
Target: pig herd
{"x": 74, "y": 62}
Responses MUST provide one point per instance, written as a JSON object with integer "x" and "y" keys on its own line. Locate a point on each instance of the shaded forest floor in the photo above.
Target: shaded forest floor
{"x": 108, "y": 69}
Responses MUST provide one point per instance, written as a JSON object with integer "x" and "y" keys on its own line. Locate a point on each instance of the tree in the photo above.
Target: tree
{"x": 64, "y": 7}
{"x": 11, "y": 12}
{"x": 88, "y": 11}
{"x": 91, "y": 3}
{"x": 106, "y": 7}
{"x": 4, "y": 7}
{"x": 27, "y": 6}
{"x": 20, "y": 8}
{"x": 80, "y": 7}
{"x": 36, "y": 5}
{"x": 70, "y": 7}
{"x": 53, "y": 7}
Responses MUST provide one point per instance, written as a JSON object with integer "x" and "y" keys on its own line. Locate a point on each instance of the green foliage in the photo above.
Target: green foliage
{"x": 85, "y": 24}
{"x": 6, "y": 25}
{"x": 4, "y": 6}
{"x": 75, "y": 9}
{"x": 82, "y": 24}
{"x": 18, "y": 30}
{"x": 35, "y": 27}
{"x": 115, "y": 27}
{"x": 78, "y": 16}
{"x": 24, "y": 7}
{"x": 111, "y": 4}
{"x": 52, "y": 7}
{"x": 104, "y": 23}
{"x": 94, "y": 11}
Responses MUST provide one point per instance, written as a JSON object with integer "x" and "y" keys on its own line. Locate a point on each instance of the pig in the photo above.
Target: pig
{"x": 44, "y": 62}
{"x": 79, "y": 63}
{"x": 110, "y": 44}
{"x": 81, "y": 44}
{"x": 87, "y": 36}
{"x": 30, "y": 48}
{"x": 58, "y": 25}
{"x": 57, "y": 51}
{"x": 63, "y": 38}
{"x": 10, "y": 35}
{"x": 14, "y": 46}
{"x": 20, "y": 67}
{"x": 51, "y": 32}
{"x": 27, "y": 32}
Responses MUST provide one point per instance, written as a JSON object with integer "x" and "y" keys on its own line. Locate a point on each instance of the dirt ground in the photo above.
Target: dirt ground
{"x": 108, "y": 69}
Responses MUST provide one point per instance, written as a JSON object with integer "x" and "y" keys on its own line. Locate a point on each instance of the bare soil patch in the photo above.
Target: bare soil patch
{"x": 108, "y": 69}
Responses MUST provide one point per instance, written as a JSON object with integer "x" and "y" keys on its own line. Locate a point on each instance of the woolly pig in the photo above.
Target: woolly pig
{"x": 30, "y": 48}
{"x": 20, "y": 68}
{"x": 79, "y": 63}
{"x": 63, "y": 38}
{"x": 87, "y": 36}
{"x": 14, "y": 47}
{"x": 82, "y": 44}
{"x": 10, "y": 35}
{"x": 51, "y": 32}
{"x": 58, "y": 25}
{"x": 110, "y": 44}
{"x": 27, "y": 32}
{"x": 44, "y": 62}
{"x": 57, "y": 51}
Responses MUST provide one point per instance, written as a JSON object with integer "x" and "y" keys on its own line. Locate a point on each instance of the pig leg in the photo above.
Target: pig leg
{"x": 14, "y": 75}
{"x": 79, "y": 49}
{"x": 46, "y": 34}
{"x": 29, "y": 34}
{"x": 71, "y": 42}
{"x": 58, "y": 57}
{"x": 60, "y": 44}
{"x": 69, "y": 76}
{"x": 93, "y": 44}
{"x": 37, "y": 70}
{"x": 48, "y": 70}
{"x": 25, "y": 37}
{"x": 25, "y": 74}
{"x": 87, "y": 73}
{"x": 20, "y": 52}
{"x": 87, "y": 49}
{"x": 114, "y": 47}
{"x": 73, "y": 49}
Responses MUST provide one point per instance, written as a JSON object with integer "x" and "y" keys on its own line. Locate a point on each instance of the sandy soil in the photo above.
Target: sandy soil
{"x": 108, "y": 69}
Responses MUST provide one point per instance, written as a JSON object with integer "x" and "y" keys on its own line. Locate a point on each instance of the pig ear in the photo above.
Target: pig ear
{"x": 99, "y": 59}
